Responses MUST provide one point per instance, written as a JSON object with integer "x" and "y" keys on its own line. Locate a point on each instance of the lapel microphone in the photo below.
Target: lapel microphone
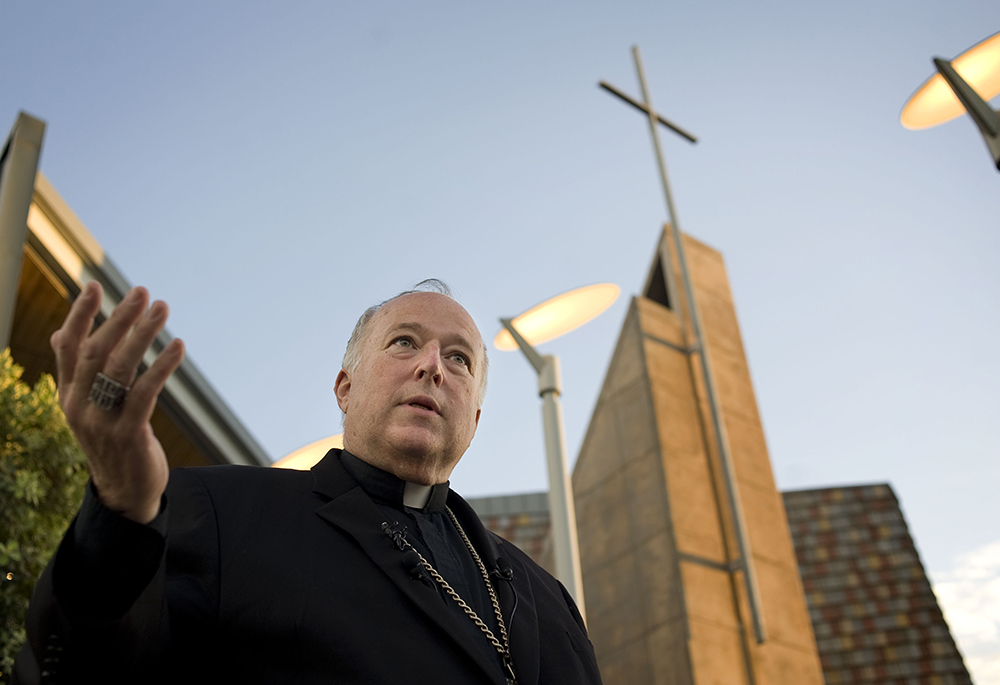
{"x": 503, "y": 570}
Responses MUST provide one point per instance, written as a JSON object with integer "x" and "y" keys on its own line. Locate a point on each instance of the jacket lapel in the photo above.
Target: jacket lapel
{"x": 352, "y": 511}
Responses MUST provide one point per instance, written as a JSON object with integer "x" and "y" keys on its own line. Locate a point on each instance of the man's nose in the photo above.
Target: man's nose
{"x": 429, "y": 363}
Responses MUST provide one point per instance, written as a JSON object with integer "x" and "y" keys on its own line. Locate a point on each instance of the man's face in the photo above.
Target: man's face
{"x": 411, "y": 406}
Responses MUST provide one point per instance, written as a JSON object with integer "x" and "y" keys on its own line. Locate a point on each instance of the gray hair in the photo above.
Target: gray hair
{"x": 352, "y": 354}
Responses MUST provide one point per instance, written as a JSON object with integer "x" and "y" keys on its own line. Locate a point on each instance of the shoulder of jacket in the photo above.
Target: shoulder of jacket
{"x": 243, "y": 476}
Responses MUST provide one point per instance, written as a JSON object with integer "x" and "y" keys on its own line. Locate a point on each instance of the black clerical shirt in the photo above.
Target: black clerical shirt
{"x": 431, "y": 532}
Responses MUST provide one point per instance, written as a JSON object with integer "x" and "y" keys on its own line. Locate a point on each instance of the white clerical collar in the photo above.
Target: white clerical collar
{"x": 415, "y": 495}
{"x": 385, "y": 487}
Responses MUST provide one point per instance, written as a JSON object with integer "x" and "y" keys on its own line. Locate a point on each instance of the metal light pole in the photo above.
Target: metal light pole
{"x": 562, "y": 510}
{"x": 554, "y": 317}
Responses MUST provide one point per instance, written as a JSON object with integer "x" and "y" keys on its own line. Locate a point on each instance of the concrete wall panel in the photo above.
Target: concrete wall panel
{"x": 656, "y": 535}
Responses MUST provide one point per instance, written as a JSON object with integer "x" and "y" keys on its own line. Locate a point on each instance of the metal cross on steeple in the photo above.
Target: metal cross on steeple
{"x": 745, "y": 562}
{"x": 655, "y": 118}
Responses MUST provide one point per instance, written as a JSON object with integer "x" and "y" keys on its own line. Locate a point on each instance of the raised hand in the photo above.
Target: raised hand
{"x": 127, "y": 462}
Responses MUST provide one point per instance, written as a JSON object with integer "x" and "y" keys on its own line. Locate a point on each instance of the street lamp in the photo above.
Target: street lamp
{"x": 964, "y": 84}
{"x": 542, "y": 323}
{"x": 306, "y": 457}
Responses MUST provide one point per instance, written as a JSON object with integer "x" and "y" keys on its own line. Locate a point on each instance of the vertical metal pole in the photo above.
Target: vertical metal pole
{"x": 665, "y": 260}
{"x": 18, "y": 166}
{"x": 728, "y": 472}
{"x": 562, "y": 510}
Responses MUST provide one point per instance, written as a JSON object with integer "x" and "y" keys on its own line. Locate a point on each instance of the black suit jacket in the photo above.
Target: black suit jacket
{"x": 271, "y": 575}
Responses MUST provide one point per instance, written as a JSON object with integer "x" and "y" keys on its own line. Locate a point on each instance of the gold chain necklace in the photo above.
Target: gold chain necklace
{"x": 503, "y": 648}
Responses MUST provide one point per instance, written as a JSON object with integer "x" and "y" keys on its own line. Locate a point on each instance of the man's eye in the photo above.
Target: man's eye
{"x": 403, "y": 342}
{"x": 460, "y": 358}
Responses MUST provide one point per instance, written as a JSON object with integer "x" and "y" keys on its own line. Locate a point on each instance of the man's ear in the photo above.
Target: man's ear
{"x": 342, "y": 389}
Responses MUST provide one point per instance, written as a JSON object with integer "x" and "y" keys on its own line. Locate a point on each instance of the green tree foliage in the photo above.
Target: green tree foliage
{"x": 43, "y": 474}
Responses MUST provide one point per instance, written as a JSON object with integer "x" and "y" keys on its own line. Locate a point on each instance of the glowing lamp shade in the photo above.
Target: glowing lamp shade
{"x": 934, "y": 102}
{"x": 559, "y": 315}
{"x": 306, "y": 457}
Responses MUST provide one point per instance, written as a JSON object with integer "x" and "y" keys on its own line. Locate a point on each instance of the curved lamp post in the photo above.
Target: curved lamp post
{"x": 542, "y": 323}
{"x": 964, "y": 84}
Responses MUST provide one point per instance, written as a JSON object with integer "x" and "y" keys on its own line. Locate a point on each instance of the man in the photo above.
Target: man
{"x": 367, "y": 569}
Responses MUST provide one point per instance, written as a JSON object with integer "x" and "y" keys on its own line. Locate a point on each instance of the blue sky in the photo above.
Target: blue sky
{"x": 270, "y": 172}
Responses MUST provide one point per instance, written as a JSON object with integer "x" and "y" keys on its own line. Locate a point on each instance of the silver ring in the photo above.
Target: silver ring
{"x": 107, "y": 394}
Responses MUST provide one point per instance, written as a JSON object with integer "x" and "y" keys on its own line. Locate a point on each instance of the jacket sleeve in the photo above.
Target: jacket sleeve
{"x": 100, "y": 605}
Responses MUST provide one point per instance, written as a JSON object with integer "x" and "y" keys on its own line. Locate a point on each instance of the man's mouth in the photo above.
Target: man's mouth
{"x": 424, "y": 403}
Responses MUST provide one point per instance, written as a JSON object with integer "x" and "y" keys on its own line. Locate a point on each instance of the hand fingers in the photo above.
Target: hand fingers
{"x": 66, "y": 341}
{"x": 94, "y": 351}
{"x": 123, "y": 361}
{"x": 142, "y": 397}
